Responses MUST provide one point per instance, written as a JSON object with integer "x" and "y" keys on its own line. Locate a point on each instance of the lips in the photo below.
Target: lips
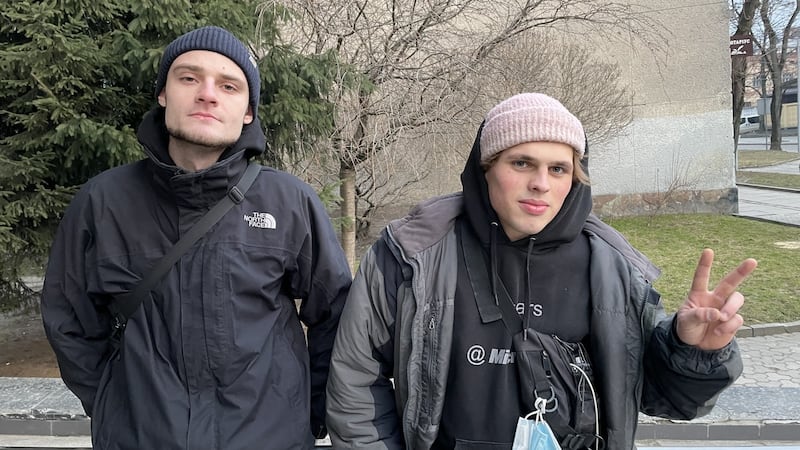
{"x": 203, "y": 116}
{"x": 534, "y": 207}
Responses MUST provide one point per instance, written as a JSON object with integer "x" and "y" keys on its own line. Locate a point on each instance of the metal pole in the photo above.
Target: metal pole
{"x": 797, "y": 85}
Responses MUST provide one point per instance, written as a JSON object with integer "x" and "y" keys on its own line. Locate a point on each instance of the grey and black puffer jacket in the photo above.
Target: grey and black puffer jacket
{"x": 215, "y": 357}
{"x": 391, "y": 358}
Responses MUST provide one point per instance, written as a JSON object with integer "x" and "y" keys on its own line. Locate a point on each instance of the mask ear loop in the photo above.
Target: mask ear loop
{"x": 541, "y": 430}
{"x": 538, "y": 414}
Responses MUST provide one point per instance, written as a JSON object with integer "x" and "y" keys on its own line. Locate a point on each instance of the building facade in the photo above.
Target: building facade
{"x": 677, "y": 155}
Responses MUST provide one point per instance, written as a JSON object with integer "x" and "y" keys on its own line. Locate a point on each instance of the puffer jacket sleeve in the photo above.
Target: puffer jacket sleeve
{"x": 325, "y": 277}
{"x": 362, "y": 412}
{"x": 682, "y": 381}
{"x": 76, "y": 326}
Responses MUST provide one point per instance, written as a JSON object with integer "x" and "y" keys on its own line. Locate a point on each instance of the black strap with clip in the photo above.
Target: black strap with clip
{"x": 125, "y": 305}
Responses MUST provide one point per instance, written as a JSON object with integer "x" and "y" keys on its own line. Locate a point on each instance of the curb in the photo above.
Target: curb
{"x": 766, "y": 430}
{"x": 769, "y": 188}
{"x": 78, "y": 429}
{"x": 60, "y": 425}
{"x": 767, "y": 329}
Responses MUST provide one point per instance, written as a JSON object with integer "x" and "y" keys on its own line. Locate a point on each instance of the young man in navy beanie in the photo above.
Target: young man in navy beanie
{"x": 437, "y": 347}
{"x": 214, "y": 356}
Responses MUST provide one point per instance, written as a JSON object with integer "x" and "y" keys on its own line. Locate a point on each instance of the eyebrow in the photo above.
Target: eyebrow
{"x": 199, "y": 69}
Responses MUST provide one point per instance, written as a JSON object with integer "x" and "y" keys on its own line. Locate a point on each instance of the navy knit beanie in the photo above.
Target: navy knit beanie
{"x": 217, "y": 40}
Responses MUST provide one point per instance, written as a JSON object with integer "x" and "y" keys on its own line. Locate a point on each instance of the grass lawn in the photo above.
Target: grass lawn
{"x": 674, "y": 243}
{"x": 759, "y": 158}
{"x": 782, "y": 180}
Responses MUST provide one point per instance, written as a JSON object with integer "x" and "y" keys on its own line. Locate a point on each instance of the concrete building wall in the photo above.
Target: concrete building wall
{"x": 677, "y": 154}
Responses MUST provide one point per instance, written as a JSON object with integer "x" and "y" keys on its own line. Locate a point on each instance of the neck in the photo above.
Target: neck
{"x": 192, "y": 157}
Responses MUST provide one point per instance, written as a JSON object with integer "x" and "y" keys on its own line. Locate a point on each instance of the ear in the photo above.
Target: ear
{"x": 162, "y": 98}
{"x": 248, "y": 116}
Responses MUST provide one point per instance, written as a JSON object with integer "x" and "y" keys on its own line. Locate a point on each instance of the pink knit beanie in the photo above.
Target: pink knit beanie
{"x": 530, "y": 117}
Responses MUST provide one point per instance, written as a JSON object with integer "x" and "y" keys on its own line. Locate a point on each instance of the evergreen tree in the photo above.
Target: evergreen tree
{"x": 77, "y": 76}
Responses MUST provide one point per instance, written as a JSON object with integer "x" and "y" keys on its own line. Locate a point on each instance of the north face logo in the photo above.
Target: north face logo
{"x": 261, "y": 220}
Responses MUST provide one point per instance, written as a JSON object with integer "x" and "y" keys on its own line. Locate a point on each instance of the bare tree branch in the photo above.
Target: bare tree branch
{"x": 408, "y": 67}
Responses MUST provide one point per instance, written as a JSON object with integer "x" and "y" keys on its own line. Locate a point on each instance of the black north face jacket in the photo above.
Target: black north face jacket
{"x": 216, "y": 356}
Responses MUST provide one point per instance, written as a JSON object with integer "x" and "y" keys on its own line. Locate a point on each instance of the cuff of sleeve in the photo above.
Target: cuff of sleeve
{"x": 712, "y": 356}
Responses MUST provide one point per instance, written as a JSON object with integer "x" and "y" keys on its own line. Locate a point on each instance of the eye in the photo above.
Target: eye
{"x": 520, "y": 163}
{"x": 187, "y": 78}
{"x": 229, "y": 87}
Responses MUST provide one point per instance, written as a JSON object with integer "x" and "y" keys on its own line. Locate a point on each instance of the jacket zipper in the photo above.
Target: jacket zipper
{"x": 430, "y": 365}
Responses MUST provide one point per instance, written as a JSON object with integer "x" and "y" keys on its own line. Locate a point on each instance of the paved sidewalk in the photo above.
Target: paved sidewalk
{"x": 774, "y": 205}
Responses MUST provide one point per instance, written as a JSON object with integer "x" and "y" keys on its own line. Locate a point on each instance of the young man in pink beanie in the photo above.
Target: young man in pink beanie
{"x": 510, "y": 298}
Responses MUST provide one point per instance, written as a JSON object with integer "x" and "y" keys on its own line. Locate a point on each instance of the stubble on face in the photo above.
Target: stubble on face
{"x": 182, "y": 138}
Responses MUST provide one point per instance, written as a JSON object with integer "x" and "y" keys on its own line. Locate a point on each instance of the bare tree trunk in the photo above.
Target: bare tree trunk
{"x": 347, "y": 189}
{"x": 775, "y": 57}
{"x": 776, "y": 109}
{"x": 739, "y": 65}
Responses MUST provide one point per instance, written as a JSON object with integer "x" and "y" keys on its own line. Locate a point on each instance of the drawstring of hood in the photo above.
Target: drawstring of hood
{"x": 528, "y": 299}
{"x": 496, "y": 278}
{"x": 493, "y": 261}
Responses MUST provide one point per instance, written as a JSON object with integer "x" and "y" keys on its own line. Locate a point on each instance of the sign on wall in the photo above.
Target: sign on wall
{"x": 741, "y": 45}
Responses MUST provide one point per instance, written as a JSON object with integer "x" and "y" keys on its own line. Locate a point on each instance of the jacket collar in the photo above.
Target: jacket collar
{"x": 205, "y": 187}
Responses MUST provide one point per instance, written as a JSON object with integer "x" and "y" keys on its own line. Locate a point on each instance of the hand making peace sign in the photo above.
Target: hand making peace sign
{"x": 709, "y": 319}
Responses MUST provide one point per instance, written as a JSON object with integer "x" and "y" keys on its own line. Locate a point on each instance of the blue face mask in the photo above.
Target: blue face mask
{"x": 534, "y": 434}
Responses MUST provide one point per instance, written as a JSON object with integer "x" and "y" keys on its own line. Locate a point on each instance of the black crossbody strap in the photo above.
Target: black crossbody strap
{"x": 123, "y": 306}
{"x": 478, "y": 274}
{"x": 479, "y": 278}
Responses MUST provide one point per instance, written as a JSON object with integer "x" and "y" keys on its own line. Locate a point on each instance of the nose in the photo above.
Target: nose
{"x": 539, "y": 180}
{"x": 206, "y": 92}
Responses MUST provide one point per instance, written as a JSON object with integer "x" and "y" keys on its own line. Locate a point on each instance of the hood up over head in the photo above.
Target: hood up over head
{"x": 564, "y": 227}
